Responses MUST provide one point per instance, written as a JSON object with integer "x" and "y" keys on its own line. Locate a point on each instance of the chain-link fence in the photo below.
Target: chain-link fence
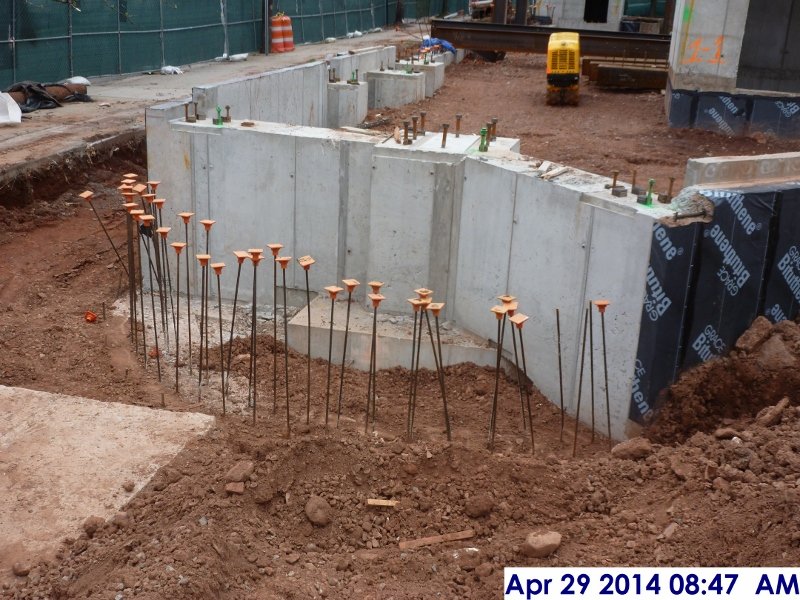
{"x": 49, "y": 40}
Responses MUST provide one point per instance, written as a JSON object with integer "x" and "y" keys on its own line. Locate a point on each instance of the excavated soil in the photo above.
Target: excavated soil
{"x": 716, "y": 483}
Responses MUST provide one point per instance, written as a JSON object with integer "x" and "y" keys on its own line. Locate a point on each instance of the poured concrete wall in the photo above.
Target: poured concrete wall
{"x": 569, "y": 15}
{"x": 704, "y": 88}
{"x": 292, "y": 187}
{"x": 553, "y": 246}
{"x": 468, "y": 225}
{"x": 701, "y": 28}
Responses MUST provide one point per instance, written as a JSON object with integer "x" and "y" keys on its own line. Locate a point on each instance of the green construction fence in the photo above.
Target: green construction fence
{"x": 50, "y": 40}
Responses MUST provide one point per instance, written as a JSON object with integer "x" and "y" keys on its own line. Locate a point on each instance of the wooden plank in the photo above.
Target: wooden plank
{"x": 631, "y": 78}
{"x": 437, "y": 539}
{"x": 381, "y": 502}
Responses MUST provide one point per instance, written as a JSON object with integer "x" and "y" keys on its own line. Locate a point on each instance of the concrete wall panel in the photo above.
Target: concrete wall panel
{"x": 547, "y": 270}
{"x": 616, "y": 272}
{"x": 487, "y": 213}
{"x": 402, "y": 208}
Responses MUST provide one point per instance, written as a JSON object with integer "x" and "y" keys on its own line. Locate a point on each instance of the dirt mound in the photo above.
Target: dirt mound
{"x": 762, "y": 368}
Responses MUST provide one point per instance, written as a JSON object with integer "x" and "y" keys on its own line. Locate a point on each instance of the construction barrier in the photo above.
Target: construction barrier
{"x": 288, "y": 35}
{"x": 276, "y": 34}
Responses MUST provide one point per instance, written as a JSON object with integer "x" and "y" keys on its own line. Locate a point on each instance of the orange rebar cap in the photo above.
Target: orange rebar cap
{"x": 275, "y": 249}
{"x": 436, "y": 308}
{"x": 203, "y": 258}
{"x": 376, "y": 299}
{"x": 186, "y": 216}
{"x": 601, "y": 305}
{"x": 519, "y": 319}
{"x": 178, "y": 246}
{"x": 241, "y": 255}
{"x": 333, "y": 290}
{"x": 218, "y": 267}
{"x": 350, "y": 284}
{"x": 306, "y": 262}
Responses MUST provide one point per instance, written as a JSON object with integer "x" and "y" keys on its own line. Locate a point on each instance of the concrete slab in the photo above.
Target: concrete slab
{"x": 394, "y": 338}
{"x": 65, "y": 458}
{"x": 394, "y": 88}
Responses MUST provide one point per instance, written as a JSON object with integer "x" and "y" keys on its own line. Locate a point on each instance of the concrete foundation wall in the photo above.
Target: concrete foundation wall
{"x": 569, "y": 15}
{"x": 553, "y": 246}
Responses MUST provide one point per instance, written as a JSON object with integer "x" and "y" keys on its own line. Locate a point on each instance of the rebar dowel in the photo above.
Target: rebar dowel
{"x": 580, "y": 385}
{"x": 233, "y": 321}
{"x": 493, "y": 423}
{"x": 178, "y": 321}
{"x": 344, "y": 356}
{"x": 605, "y": 375}
{"x": 188, "y": 293}
{"x": 591, "y": 364}
{"x": 519, "y": 379}
{"x": 330, "y": 356}
{"x": 411, "y": 378}
{"x": 202, "y": 314}
{"x": 434, "y": 350}
{"x": 370, "y": 383}
{"x": 155, "y": 322}
{"x": 169, "y": 280}
{"x": 99, "y": 220}
{"x": 253, "y": 342}
{"x": 527, "y": 393}
{"x": 159, "y": 276}
{"x": 441, "y": 380}
{"x": 286, "y": 355}
{"x": 416, "y": 375}
{"x": 560, "y": 373}
{"x": 141, "y": 294}
{"x": 275, "y": 332}
{"x": 458, "y": 125}
{"x": 131, "y": 283}
{"x": 221, "y": 346}
{"x": 308, "y": 352}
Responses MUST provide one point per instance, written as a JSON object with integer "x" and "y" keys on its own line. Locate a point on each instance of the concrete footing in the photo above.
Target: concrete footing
{"x": 395, "y": 88}
{"x": 394, "y": 333}
{"x": 434, "y": 74}
{"x": 347, "y": 104}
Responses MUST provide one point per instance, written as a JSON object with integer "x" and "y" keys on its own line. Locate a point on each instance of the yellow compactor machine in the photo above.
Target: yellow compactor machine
{"x": 563, "y": 68}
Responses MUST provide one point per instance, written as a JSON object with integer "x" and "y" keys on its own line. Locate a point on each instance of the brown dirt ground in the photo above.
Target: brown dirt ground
{"x": 696, "y": 499}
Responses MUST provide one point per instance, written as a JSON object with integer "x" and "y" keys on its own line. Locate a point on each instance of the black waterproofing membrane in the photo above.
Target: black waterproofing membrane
{"x": 707, "y": 282}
